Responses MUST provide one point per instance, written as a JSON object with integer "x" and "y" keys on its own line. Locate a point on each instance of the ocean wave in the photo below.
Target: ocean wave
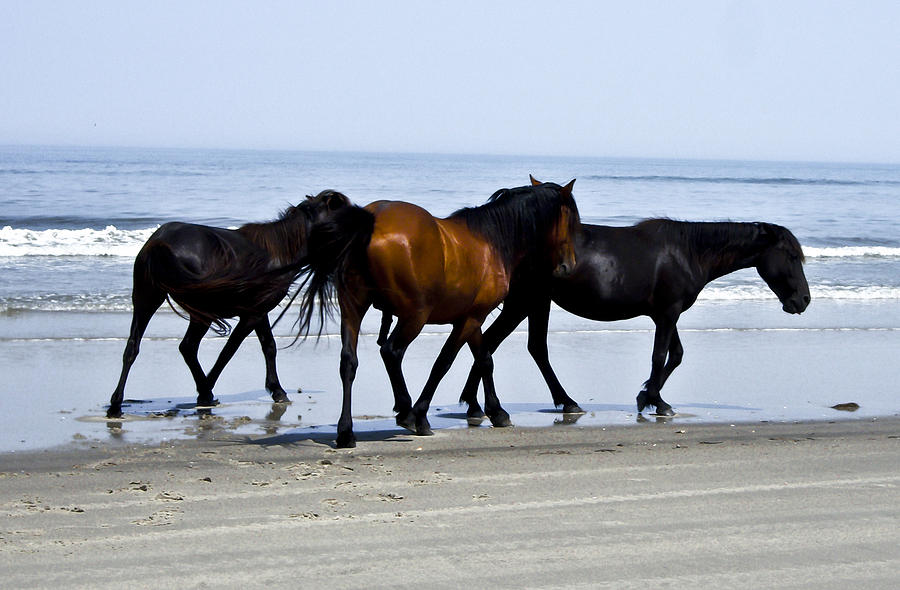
{"x": 109, "y": 241}
{"x": 81, "y": 302}
{"x": 851, "y": 252}
{"x": 784, "y": 181}
{"x": 832, "y": 292}
{"x": 112, "y": 241}
{"x": 121, "y": 302}
{"x": 87, "y": 302}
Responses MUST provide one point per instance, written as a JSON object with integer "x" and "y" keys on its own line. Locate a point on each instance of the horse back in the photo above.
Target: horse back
{"x": 423, "y": 265}
{"x": 181, "y": 256}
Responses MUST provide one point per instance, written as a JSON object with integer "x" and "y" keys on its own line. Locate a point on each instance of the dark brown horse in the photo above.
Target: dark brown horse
{"x": 398, "y": 258}
{"x": 656, "y": 268}
{"x": 214, "y": 274}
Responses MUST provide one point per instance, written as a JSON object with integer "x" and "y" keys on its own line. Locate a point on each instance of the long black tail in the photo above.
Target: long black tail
{"x": 335, "y": 246}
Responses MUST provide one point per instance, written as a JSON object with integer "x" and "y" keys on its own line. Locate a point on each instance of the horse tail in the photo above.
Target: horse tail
{"x": 335, "y": 245}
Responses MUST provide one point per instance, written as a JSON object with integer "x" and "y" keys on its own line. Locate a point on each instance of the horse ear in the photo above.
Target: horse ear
{"x": 767, "y": 233}
{"x": 336, "y": 200}
{"x": 534, "y": 182}
{"x": 568, "y": 187}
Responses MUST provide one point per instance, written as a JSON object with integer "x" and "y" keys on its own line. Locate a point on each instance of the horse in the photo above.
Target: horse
{"x": 214, "y": 274}
{"x": 398, "y": 258}
{"x": 655, "y": 268}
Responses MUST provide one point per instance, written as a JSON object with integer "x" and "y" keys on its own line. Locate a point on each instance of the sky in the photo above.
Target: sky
{"x": 779, "y": 80}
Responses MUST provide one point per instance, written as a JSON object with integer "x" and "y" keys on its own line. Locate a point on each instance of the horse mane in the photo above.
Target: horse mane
{"x": 515, "y": 220}
{"x": 786, "y": 239}
{"x": 715, "y": 235}
{"x": 287, "y": 235}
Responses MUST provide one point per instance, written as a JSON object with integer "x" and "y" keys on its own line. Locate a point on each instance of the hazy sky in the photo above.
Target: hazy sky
{"x": 763, "y": 80}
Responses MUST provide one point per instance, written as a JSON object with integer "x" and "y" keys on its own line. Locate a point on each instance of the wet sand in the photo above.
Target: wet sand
{"x": 757, "y": 482}
{"x": 743, "y": 363}
{"x": 789, "y": 505}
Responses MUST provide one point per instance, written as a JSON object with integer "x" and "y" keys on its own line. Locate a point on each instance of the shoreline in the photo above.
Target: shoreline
{"x": 762, "y": 365}
{"x": 649, "y": 430}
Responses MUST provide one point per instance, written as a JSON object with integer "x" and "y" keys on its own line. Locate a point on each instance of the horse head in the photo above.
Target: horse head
{"x": 780, "y": 265}
{"x": 315, "y": 208}
{"x": 561, "y": 243}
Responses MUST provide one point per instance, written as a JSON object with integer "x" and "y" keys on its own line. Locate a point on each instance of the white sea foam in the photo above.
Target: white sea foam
{"x": 851, "y": 252}
{"x": 109, "y": 241}
{"x": 762, "y": 292}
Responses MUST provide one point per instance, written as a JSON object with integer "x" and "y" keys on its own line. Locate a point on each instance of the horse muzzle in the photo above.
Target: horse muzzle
{"x": 563, "y": 270}
{"x": 796, "y": 305}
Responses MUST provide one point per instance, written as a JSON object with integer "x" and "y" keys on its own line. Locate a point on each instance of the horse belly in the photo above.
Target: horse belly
{"x": 602, "y": 297}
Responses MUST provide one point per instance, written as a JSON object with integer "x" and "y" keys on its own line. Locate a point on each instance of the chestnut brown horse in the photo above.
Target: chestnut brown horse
{"x": 214, "y": 274}
{"x": 656, "y": 268}
{"x": 400, "y": 259}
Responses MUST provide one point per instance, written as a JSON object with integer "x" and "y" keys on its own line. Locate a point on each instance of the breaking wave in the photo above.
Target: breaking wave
{"x": 109, "y": 241}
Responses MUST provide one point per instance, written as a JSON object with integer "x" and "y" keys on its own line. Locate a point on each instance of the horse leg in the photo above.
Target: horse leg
{"x": 460, "y": 333}
{"x": 510, "y": 316}
{"x": 269, "y": 348}
{"x": 649, "y": 395}
{"x": 237, "y": 336}
{"x": 189, "y": 346}
{"x": 484, "y": 364}
{"x": 392, "y": 352}
{"x": 538, "y": 320}
{"x": 146, "y": 300}
{"x": 386, "y": 320}
{"x": 351, "y": 319}
{"x": 676, "y": 353}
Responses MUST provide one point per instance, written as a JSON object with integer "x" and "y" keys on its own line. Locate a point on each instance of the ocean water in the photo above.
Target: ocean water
{"x": 72, "y": 220}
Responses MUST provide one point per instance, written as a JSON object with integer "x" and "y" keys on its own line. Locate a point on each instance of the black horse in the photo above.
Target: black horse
{"x": 655, "y": 268}
{"x": 214, "y": 274}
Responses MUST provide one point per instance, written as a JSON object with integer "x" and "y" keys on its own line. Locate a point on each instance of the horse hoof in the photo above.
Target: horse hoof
{"x": 345, "y": 441}
{"x": 573, "y": 408}
{"x": 407, "y": 421}
{"x": 207, "y": 402}
{"x": 423, "y": 428}
{"x": 475, "y": 416}
{"x": 114, "y": 413}
{"x": 280, "y": 397}
{"x": 642, "y": 401}
{"x": 665, "y": 410}
{"x": 501, "y": 420}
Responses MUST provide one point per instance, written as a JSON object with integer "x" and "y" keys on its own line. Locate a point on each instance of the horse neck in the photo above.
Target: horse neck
{"x": 283, "y": 239}
{"x": 511, "y": 230}
{"x": 726, "y": 247}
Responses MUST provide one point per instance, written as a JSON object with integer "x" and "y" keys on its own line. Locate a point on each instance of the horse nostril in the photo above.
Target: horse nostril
{"x": 806, "y": 299}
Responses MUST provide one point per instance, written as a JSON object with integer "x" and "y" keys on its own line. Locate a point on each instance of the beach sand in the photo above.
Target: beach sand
{"x": 756, "y": 483}
{"x": 796, "y": 505}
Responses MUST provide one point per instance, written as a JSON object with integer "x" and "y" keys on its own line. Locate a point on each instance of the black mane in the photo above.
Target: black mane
{"x": 515, "y": 220}
{"x": 721, "y": 236}
{"x": 287, "y": 235}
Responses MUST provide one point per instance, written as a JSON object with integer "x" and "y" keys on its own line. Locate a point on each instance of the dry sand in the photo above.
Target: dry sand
{"x": 798, "y": 505}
